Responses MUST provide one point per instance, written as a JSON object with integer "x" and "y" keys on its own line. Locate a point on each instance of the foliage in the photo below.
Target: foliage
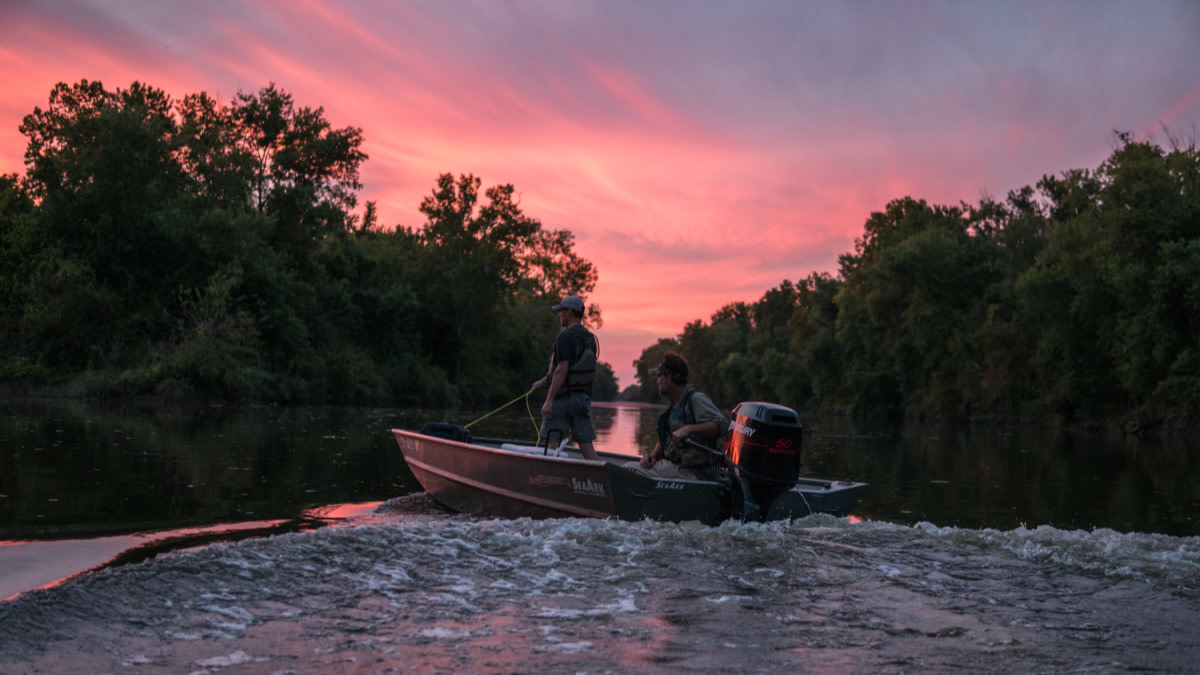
{"x": 1080, "y": 299}
{"x": 156, "y": 245}
{"x": 188, "y": 246}
{"x": 605, "y": 388}
{"x": 650, "y": 358}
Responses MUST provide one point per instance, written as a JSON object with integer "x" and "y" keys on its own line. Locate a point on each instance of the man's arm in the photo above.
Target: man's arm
{"x": 710, "y": 423}
{"x": 707, "y": 429}
{"x": 557, "y": 378}
{"x": 654, "y": 456}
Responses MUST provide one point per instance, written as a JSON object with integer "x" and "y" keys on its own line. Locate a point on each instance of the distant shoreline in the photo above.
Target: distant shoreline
{"x": 19, "y": 392}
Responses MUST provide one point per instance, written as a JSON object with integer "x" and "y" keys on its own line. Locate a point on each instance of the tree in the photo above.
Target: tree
{"x": 605, "y": 387}
{"x": 822, "y": 360}
{"x": 554, "y": 270}
{"x": 650, "y": 358}
{"x": 1077, "y": 299}
{"x": 144, "y": 202}
{"x": 196, "y": 245}
{"x": 1107, "y": 292}
{"x": 911, "y": 294}
{"x": 17, "y": 252}
{"x": 299, "y": 158}
{"x": 103, "y": 167}
{"x": 474, "y": 251}
{"x": 487, "y": 260}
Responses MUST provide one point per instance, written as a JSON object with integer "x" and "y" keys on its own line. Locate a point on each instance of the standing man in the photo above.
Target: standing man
{"x": 691, "y": 415}
{"x": 568, "y": 406}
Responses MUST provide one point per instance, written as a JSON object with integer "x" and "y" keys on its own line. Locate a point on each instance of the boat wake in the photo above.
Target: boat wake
{"x": 411, "y": 586}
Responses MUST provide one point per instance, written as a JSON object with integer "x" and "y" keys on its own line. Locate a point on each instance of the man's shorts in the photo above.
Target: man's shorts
{"x": 573, "y": 411}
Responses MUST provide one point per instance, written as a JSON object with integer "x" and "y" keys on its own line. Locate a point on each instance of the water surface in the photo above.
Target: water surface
{"x": 73, "y": 470}
{"x": 268, "y": 540}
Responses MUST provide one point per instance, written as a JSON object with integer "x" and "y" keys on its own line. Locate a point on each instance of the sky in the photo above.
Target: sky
{"x": 702, "y": 152}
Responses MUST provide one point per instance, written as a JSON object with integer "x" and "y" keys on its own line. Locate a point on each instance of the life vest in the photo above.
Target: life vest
{"x": 582, "y": 371}
{"x": 701, "y": 462}
{"x": 683, "y": 413}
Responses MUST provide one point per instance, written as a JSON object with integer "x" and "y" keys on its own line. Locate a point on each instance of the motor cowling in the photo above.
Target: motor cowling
{"x": 765, "y": 447}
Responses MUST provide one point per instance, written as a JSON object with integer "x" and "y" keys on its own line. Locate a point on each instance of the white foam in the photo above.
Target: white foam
{"x": 888, "y": 571}
{"x": 1134, "y": 554}
{"x": 621, "y": 606}
{"x": 235, "y": 658}
{"x": 565, "y": 647}
{"x": 443, "y": 633}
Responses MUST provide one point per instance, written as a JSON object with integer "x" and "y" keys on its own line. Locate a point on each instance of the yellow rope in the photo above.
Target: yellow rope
{"x": 537, "y": 431}
{"x": 522, "y": 396}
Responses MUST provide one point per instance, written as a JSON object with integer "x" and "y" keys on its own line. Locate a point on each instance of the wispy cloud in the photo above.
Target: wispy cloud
{"x": 701, "y": 151}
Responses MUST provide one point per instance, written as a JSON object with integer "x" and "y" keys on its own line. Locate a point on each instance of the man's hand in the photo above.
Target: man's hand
{"x": 555, "y": 380}
{"x": 651, "y": 459}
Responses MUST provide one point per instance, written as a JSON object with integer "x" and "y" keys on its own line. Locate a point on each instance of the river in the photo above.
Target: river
{"x": 263, "y": 540}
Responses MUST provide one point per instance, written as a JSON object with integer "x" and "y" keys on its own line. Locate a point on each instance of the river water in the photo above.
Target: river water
{"x": 294, "y": 540}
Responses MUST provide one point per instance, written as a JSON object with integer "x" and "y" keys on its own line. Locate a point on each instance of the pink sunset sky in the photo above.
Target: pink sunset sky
{"x": 701, "y": 151}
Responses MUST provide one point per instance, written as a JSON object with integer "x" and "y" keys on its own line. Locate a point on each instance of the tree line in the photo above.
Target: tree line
{"x": 179, "y": 247}
{"x": 1077, "y": 299}
{"x": 188, "y": 247}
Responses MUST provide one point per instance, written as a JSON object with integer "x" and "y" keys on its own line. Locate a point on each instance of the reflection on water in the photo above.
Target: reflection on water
{"x": 625, "y": 428}
{"x": 73, "y": 470}
{"x": 70, "y": 470}
{"x": 621, "y": 428}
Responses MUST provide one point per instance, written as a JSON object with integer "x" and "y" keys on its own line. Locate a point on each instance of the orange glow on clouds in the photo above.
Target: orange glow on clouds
{"x": 701, "y": 153}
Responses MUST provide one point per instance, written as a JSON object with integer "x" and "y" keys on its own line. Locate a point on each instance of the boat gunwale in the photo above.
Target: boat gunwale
{"x": 605, "y": 458}
{"x": 491, "y": 445}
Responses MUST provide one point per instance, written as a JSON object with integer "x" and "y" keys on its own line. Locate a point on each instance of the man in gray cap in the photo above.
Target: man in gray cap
{"x": 568, "y": 405}
{"x": 691, "y": 415}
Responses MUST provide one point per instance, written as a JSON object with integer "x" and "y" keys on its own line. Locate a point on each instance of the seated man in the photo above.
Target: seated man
{"x": 691, "y": 415}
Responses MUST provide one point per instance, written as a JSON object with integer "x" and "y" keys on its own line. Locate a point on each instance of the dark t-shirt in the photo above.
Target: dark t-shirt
{"x": 569, "y": 345}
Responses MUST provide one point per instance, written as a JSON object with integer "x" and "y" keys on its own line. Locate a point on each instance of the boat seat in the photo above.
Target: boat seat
{"x": 535, "y": 450}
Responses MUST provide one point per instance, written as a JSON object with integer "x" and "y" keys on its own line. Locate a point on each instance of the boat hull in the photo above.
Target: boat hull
{"x": 493, "y": 478}
{"x": 491, "y": 482}
{"x": 637, "y": 496}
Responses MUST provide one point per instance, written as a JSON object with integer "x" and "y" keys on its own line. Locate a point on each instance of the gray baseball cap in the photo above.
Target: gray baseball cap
{"x": 573, "y": 302}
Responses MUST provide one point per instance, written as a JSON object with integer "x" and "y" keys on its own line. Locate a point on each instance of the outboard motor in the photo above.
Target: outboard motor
{"x": 765, "y": 448}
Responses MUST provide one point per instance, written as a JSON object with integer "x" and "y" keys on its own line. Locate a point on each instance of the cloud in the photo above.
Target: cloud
{"x": 701, "y": 151}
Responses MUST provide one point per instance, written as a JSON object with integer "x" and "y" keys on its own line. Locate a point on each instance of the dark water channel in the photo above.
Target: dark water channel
{"x": 74, "y": 471}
